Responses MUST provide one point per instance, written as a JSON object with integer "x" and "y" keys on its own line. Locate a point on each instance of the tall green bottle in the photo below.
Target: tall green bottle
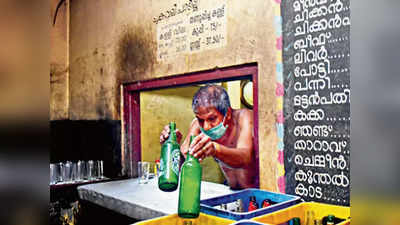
{"x": 189, "y": 187}
{"x": 169, "y": 162}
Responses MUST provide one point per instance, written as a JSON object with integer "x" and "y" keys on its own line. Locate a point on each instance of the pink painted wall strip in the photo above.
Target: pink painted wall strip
{"x": 279, "y": 91}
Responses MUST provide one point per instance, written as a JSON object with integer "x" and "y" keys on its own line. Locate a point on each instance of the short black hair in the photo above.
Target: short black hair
{"x": 211, "y": 95}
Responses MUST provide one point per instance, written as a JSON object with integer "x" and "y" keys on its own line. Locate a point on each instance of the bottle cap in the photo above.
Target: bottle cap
{"x": 296, "y": 221}
{"x": 266, "y": 202}
{"x": 330, "y": 217}
{"x": 252, "y": 198}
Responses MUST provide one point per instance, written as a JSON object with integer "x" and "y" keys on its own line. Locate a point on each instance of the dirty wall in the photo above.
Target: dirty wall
{"x": 115, "y": 42}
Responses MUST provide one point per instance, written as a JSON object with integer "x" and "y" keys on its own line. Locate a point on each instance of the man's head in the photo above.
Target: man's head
{"x": 212, "y": 109}
{"x": 211, "y": 96}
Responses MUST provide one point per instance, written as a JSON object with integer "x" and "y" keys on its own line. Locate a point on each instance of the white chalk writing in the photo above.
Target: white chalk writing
{"x": 321, "y": 161}
{"x": 310, "y": 131}
{"x": 340, "y": 180}
{"x": 319, "y": 100}
{"x": 322, "y": 25}
{"x": 312, "y": 115}
{"x": 305, "y": 101}
{"x": 310, "y": 191}
{"x": 313, "y": 69}
{"x": 320, "y": 145}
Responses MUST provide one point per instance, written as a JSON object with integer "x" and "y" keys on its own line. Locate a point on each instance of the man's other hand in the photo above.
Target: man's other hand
{"x": 202, "y": 147}
{"x": 165, "y": 134}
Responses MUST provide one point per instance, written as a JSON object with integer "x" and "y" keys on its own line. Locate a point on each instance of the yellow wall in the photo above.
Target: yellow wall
{"x": 233, "y": 89}
{"x": 158, "y": 108}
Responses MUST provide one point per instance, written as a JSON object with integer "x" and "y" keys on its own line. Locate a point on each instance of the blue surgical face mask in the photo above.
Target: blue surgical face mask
{"x": 216, "y": 132}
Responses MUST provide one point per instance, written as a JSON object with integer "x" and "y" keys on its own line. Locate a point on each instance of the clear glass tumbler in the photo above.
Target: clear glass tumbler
{"x": 100, "y": 174}
{"x": 91, "y": 170}
{"x": 53, "y": 173}
{"x": 81, "y": 167}
{"x": 143, "y": 172}
{"x": 60, "y": 169}
{"x": 67, "y": 172}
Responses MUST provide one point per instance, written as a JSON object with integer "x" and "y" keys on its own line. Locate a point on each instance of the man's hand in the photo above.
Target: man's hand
{"x": 165, "y": 134}
{"x": 202, "y": 147}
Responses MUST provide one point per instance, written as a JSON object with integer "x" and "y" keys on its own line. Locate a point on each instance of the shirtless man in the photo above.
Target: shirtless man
{"x": 223, "y": 133}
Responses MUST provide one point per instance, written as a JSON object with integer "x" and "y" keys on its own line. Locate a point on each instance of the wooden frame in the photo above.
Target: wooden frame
{"x": 131, "y": 102}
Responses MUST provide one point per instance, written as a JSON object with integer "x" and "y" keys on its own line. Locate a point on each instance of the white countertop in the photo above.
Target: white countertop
{"x": 142, "y": 201}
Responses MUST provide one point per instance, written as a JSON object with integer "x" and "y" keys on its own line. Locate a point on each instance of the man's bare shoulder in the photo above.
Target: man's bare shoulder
{"x": 243, "y": 114}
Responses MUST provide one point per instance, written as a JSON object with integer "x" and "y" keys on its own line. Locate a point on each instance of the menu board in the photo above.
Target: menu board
{"x": 316, "y": 68}
{"x": 193, "y": 28}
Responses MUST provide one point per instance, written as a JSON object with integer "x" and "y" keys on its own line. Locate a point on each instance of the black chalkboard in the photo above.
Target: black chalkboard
{"x": 316, "y": 69}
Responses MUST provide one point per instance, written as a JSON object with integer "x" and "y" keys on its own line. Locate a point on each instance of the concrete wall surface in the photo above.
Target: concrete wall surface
{"x": 59, "y": 52}
{"x": 116, "y": 42}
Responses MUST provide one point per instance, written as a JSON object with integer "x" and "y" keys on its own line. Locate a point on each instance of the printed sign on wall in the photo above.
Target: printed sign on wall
{"x": 189, "y": 28}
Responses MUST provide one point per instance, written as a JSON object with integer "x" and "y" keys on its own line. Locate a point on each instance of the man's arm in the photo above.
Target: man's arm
{"x": 239, "y": 156}
{"x": 193, "y": 130}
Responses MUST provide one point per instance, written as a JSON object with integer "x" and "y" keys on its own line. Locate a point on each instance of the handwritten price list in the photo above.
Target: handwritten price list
{"x": 316, "y": 56}
{"x": 196, "y": 31}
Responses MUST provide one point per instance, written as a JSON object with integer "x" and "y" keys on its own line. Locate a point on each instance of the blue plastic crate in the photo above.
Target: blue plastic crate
{"x": 280, "y": 201}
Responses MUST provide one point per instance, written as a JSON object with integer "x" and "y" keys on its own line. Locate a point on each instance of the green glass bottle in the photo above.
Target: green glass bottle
{"x": 295, "y": 221}
{"x": 169, "y": 162}
{"x": 330, "y": 220}
{"x": 189, "y": 187}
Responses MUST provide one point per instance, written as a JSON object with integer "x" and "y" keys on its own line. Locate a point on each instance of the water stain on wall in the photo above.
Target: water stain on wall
{"x": 102, "y": 104}
{"x": 57, "y": 73}
{"x": 135, "y": 56}
{"x": 135, "y": 53}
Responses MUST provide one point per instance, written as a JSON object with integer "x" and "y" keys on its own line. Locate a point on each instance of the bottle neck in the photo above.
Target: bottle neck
{"x": 190, "y": 157}
{"x": 172, "y": 134}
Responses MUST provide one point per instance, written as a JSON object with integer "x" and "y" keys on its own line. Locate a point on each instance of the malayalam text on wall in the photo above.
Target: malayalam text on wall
{"x": 316, "y": 59}
{"x": 189, "y": 28}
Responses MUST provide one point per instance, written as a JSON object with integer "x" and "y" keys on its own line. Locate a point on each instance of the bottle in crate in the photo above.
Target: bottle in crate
{"x": 252, "y": 204}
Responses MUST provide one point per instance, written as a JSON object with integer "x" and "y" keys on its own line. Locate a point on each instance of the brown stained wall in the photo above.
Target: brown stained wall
{"x": 59, "y": 61}
{"x": 115, "y": 41}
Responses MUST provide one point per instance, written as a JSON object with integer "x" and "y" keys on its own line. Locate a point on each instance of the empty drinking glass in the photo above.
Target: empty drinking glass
{"x": 91, "y": 170}
{"x": 143, "y": 172}
{"x": 100, "y": 169}
{"x": 74, "y": 172}
{"x": 60, "y": 170}
{"x": 54, "y": 173}
{"x": 81, "y": 167}
{"x": 67, "y": 172}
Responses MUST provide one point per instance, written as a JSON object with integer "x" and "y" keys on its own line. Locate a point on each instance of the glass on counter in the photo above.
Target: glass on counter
{"x": 76, "y": 172}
